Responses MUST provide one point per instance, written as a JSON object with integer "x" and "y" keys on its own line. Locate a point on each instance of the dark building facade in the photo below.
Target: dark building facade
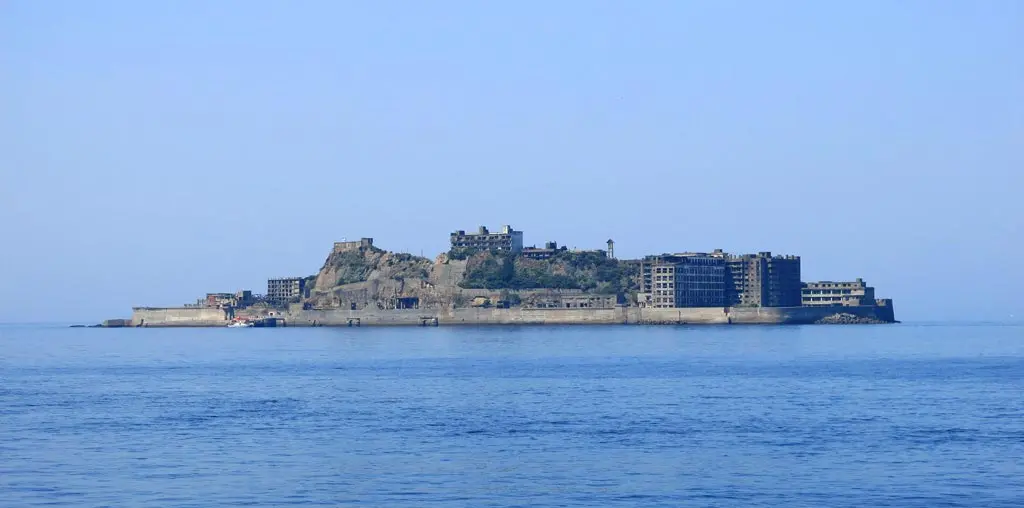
{"x": 682, "y": 280}
{"x": 285, "y": 290}
{"x": 549, "y": 249}
{"x": 762, "y": 280}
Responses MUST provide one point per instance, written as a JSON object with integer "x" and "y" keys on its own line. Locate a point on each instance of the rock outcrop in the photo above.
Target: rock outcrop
{"x": 587, "y": 271}
{"x": 844, "y": 318}
{"x": 357, "y": 276}
{"x": 368, "y": 276}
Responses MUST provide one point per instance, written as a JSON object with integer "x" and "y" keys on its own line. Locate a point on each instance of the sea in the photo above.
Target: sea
{"x": 907, "y": 415}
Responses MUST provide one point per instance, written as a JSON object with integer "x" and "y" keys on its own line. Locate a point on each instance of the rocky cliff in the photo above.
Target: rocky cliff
{"x": 368, "y": 276}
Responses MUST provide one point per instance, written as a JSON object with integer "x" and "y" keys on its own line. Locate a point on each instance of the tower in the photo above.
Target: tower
{"x": 611, "y": 249}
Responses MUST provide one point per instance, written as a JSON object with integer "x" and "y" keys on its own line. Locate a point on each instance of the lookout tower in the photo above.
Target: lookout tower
{"x": 611, "y": 249}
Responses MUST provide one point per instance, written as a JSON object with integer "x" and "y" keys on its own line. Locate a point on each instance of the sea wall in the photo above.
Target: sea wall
{"x": 792, "y": 315}
{"x": 145, "y": 316}
{"x": 178, "y": 316}
{"x": 463, "y": 316}
{"x": 682, "y": 316}
{"x": 619, "y": 315}
{"x": 885, "y": 311}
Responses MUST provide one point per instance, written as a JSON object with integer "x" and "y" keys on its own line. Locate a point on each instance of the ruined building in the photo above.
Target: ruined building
{"x": 362, "y": 243}
{"x": 239, "y": 299}
{"x": 567, "y": 299}
{"x": 828, "y": 293}
{"x": 682, "y": 280}
{"x": 762, "y": 280}
{"x": 549, "y": 249}
{"x": 719, "y": 280}
{"x": 507, "y": 239}
{"x": 285, "y": 290}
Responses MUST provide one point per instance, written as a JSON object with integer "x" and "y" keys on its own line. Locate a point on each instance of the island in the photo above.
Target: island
{"x": 491, "y": 278}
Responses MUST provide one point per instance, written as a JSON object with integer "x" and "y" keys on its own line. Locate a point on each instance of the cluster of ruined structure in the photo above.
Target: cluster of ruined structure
{"x": 676, "y": 280}
{"x": 720, "y": 279}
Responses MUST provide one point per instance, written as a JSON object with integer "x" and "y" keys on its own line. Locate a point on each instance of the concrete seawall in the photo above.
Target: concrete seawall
{"x": 181, "y": 317}
{"x": 178, "y": 316}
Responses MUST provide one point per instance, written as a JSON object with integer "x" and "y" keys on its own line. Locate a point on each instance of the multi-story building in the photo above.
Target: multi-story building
{"x": 549, "y": 249}
{"x": 682, "y": 280}
{"x": 762, "y": 280}
{"x": 285, "y": 289}
{"x": 507, "y": 239}
{"x": 828, "y": 293}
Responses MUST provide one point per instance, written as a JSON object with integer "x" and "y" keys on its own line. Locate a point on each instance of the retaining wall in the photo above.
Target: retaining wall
{"x": 178, "y": 316}
{"x": 515, "y": 316}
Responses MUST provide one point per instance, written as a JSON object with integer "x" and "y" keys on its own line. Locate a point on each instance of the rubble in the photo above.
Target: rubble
{"x": 844, "y": 318}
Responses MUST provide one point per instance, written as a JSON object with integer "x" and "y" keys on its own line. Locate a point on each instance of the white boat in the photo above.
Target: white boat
{"x": 239, "y": 324}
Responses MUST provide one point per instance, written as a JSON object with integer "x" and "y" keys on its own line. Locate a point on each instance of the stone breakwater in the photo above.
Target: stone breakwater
{"x": 184, "y": 317}
{"x": 845, "y": 318}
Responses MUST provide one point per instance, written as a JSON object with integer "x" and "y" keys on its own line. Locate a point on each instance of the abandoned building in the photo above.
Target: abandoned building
{"x": 828, "y": 293}
{"x": 762, "y": 280}
{"x": 362, "y": 243}
{"x": 507, "y": 239}
{"x": 718, "y": 279}
{"x": 238, "y": 299}
{"x": 285, "y": 289}
{"x": 569, "y": 299}
{"x": 549, "y": 249}
{"x": 682, "y": 280}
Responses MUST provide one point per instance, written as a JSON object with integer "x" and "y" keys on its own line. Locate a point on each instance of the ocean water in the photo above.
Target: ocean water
{"x": 901, "y": 415}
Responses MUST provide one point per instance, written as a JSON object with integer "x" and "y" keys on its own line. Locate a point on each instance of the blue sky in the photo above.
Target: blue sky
{"x": 153, "y": 151}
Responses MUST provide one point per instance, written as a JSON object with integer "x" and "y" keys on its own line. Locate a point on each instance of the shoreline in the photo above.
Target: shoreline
{"x": 172, "y": 317}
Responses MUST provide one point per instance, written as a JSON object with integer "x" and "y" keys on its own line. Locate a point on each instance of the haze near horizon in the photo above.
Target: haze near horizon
{"x": 154, "y": 151}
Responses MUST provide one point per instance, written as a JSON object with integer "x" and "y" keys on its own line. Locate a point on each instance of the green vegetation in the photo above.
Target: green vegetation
{"x": 461, "y": 253}
{"x": 308, "y": 282}
{"x": 588, "y": 271}
{"x": 495, "y": 271}
{"x": 357, "y": 265}
{"x": 512, "y": 299}
{"x": 351, "y": 266}
{"x": 406, "y": 266}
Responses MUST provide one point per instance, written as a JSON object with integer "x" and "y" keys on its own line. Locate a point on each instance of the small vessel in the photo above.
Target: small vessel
{"x": 240, "y": 324}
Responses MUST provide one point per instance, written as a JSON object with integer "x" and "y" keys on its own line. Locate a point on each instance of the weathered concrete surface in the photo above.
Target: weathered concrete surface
{"x": 697, "y": 315}
{"x": 514, "y": 316}
{"x": 178, "y": 316}
{"x": 116, "y": 323}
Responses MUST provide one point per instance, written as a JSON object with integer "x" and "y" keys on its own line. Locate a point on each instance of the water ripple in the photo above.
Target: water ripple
{"x": 487, "y": 417}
